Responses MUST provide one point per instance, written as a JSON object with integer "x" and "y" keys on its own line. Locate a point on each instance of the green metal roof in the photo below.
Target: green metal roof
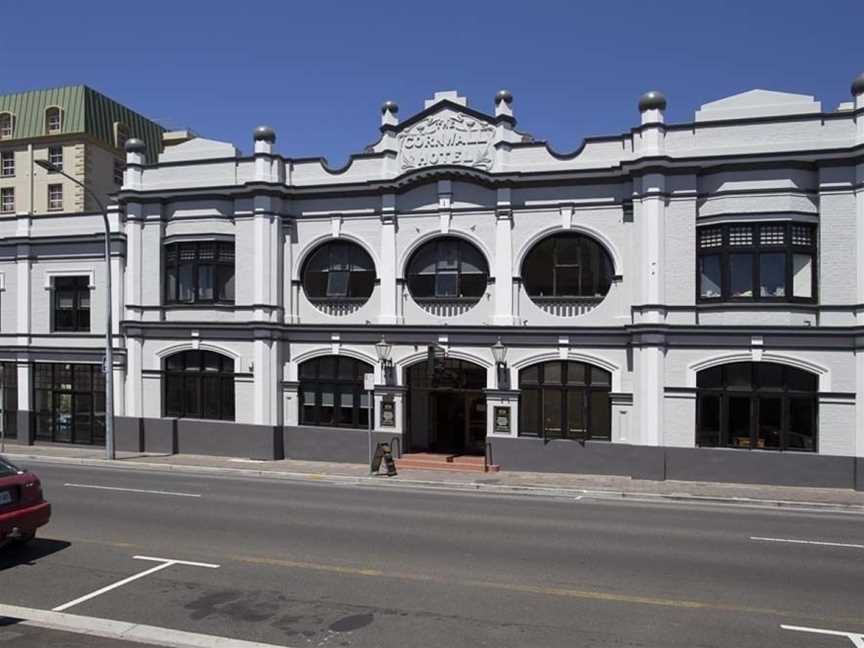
{"x": 84, "y": 111}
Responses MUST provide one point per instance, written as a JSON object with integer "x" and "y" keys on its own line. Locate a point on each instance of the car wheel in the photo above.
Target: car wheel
{"x": 25, "y": 538}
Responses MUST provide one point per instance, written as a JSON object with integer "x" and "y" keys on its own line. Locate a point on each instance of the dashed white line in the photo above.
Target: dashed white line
{"x": 809, "y": 542}
{"x": 133, "y": 490}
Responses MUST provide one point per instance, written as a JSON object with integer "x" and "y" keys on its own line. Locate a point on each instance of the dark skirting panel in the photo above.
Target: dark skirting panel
{"x": 348, "y": 445}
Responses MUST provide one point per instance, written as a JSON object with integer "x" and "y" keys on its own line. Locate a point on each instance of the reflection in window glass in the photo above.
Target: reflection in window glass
{"x": 772, "y": 275}
{"x": 802, "y": 273}
{"x": 709, "y": 276}
{"x": 741, "y": 275}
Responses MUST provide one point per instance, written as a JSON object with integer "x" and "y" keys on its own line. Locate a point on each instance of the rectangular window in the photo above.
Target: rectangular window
{"x": 802, "y": 275}
{"x": 199, "y": 272}
{"x": 709, "y": 276}
{"x": 71, "y": 304}
{"x": 55, "y": 197}
{"x": 7, "y": 200}
{"x": 741, "y": 275}
{"x": 7, "y": 164}
{"x": 55, "y": 156}
{"x": 772, "y": 275}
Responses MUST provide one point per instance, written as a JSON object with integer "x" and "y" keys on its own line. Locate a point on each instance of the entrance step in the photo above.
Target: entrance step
{"x": 430, "y": 461}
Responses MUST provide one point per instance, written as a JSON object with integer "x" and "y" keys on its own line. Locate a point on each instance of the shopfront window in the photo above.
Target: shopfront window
{"x": 199, "y": 384}
{"x": 69, "y": 400}
{"x": 331, "y": 392}
{"x": 757, "y": 405}
{"x": 565, "y": 400}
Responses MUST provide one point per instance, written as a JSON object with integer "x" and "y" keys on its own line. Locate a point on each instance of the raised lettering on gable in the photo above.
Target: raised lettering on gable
{"x": 447, "y": 138}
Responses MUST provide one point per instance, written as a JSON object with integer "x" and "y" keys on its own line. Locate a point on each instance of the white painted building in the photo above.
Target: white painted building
{"x": 681, "y": 301}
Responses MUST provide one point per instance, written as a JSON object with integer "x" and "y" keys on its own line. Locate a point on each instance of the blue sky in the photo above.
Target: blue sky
{"x": 319, "y": 71}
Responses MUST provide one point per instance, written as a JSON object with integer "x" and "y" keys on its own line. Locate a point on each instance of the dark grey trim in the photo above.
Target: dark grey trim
{"x": 331, "y": 444}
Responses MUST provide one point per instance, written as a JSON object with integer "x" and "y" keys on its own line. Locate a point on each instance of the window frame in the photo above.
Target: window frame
{"x": 193, "y": 373}
{"x": 79, "y": 285}
{"x": 561, "y": 391}
{"x": 93, "y": 394}
{"x": 754, "y": 394}
{"x": 53, "y": 156}
{"x": 50, "y": 112}
{"x": 223, "y": 267}
{"x": 756, "y": 250}
{"x": 4, "y": 193}
{"x": 7, "y": 133}
{"x": 7, "y": 170}
{"x": 602, "y": 266}
{"x": 355, "y": 255}
{"x": 411, "y": 275}
{"x": 316, "y": 383}
{"x": 53, "y": 203}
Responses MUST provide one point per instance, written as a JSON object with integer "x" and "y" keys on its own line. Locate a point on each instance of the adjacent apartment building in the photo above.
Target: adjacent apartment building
{"x": 680, "y": 301}
{"x": 75, "y": 128}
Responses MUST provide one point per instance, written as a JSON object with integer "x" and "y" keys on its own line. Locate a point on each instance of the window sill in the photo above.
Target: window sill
{"x": 749, "y": 303}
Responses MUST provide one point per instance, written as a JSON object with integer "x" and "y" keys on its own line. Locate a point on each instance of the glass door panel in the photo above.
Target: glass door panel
{"x": 739, "y": 421}
{"x": 62, "y": 417}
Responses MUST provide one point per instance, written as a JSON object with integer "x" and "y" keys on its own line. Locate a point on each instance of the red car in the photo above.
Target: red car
{"x": 23, "y": 509}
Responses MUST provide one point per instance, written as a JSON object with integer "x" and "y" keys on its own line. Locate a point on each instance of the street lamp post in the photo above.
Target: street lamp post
{"x": 383, "y": 348}
{"x": 108, "y": 368}
{"x": 499, "y": 352}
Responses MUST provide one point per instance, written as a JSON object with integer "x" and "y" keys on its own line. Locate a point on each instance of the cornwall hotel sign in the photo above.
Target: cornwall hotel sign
{"x": 452, "y": 138}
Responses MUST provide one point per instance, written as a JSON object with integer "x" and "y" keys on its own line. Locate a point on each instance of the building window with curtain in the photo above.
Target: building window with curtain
{"x": 565, "y": 400}
{"x": 199, "y": 272}
{"x": 199, "y": 384}
{"x": 757, "y": 405}
{"x": 331, "y": 392}
{"x": 72, "y": 304}
{"x": 757, "y": 262}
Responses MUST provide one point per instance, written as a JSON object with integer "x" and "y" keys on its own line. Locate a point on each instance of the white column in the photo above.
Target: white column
{"x": 651, "y": 225}
{"x": 287, "y": 271}
{"x": 649, "y": 366}
{"x": 265, "y": 382}
{"x": 504, "y": 315}
{"x": 267, "y": 258}
{"x": 387, "y": 273}
{"x": 25, "y": 404}
{"x": 859, "y": 404}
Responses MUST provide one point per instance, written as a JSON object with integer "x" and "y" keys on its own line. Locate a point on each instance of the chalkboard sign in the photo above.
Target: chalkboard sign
{"x": 502, "y": 420}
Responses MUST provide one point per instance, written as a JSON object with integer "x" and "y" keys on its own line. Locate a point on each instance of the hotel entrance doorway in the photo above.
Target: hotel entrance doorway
{"x": 446, "y": 407}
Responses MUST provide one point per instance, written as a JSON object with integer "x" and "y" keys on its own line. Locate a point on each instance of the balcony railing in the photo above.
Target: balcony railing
{"x": 338, "y": 307}
{"x": 447, "y": 307}
{"x": 567, "y": 306}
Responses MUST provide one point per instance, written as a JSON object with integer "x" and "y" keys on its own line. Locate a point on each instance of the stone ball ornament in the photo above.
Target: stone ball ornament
{"x": 858, "y": 85}
{"x": 135, "y": 145}
{"x": 652, "y": 100}
{"x": 264, "y": 133}
{"x": 389, "y": 106}
{"x": 504, "y": 95}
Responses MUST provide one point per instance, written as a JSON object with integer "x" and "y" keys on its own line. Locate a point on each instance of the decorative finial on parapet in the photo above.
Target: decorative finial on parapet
{"x": 651, "y": 105}
{"x": 504, "y": 103}
{"x": 264, "y": 133}
{"x": 135, "y": 150}
{"x": 389, "y": 112}
{"x": 858, "y": 85}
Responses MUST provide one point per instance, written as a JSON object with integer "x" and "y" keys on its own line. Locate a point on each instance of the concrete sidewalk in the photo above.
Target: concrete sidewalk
{"x": 508, "y": 482}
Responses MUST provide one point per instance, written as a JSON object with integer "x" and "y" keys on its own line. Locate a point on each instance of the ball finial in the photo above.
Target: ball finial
{"x": 389, "y": 106}
{"x": 135, "y": 145}
{"x": 504, "y": 95}
{"x": 264, "y": 133}
{"x": 858, "y": 85}
{"x": 653, "y": 100}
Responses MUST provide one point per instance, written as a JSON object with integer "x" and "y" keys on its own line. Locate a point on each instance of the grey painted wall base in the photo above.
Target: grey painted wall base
{"x": 24, "y": 433}
{"x": 331, "y": 444}
{"x": 195, "y": 436}
{"x": 685, "y": 464}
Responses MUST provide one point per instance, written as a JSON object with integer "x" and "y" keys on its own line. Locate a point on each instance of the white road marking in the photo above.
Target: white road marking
{"x": 164, "y": 562}
{"x": 122, "y": 630}
{"x": 856, "y": 638}
{"x": 133, "y": 490}
{"x": 809, "y": 542}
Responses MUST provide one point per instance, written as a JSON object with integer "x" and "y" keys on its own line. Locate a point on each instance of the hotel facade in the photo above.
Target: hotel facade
{"x": 681, "y": 301}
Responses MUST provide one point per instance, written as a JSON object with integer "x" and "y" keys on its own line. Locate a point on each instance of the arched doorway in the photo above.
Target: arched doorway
{"x": 446, "y": 407}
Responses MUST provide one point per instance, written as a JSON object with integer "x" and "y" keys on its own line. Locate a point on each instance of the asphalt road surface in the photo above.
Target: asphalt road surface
{"x": 294, "y": 564}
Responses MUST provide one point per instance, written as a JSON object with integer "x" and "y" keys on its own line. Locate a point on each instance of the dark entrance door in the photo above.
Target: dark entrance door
{"x": 446, "y": 407}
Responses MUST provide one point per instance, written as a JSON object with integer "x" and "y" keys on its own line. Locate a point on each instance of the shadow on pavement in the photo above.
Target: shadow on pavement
{"x": 13, "y": 555}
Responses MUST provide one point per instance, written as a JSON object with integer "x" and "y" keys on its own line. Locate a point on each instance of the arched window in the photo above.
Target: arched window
{"x": 567, "y": 266}
{"x": 563, "y": 399}
{"x": 447, "y": 268}
{"x": 199, "y": 384}
{"x": 757, "y": 405}
{"x": 7, "y": 125}
{"x": 53, "y": 120}
{"x": 331, "y": 392}
{"x": 338, "y": 271}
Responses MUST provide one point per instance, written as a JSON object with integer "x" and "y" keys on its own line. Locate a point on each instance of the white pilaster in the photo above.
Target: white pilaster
{"x": 388, "y": 272}
{"x": 23, "y": 284}
{"x": 266, "y": 380}
{"x": 504, "y": 315}
{"x": 651, "y": 225}
{"x": 649, "y": 371}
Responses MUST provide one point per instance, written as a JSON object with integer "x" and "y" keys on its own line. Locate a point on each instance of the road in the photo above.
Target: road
{"x": 294, "y": 564}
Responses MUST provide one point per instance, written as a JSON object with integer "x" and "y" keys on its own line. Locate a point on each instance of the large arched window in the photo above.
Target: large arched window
{"x": 563, "y": 399}
{"x": 7, "y": 125}
{"x": 199, "y": 384}
{"x": 53, "y": 120}
{"x": 447, "y": 269}
{"x": 567, "y": 267}
{"x": 757, "y": 405}
{"x": 338, "y": 272}
{"x": 331, "y": 392}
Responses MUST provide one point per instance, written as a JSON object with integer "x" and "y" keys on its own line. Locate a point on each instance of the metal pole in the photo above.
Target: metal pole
{"x": 3, "y": 412}
{"x": 369, "y": 408}
{"x": 108, "y": 368}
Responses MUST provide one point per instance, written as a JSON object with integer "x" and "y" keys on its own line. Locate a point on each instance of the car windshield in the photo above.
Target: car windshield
{"x": 7, "y": 468}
